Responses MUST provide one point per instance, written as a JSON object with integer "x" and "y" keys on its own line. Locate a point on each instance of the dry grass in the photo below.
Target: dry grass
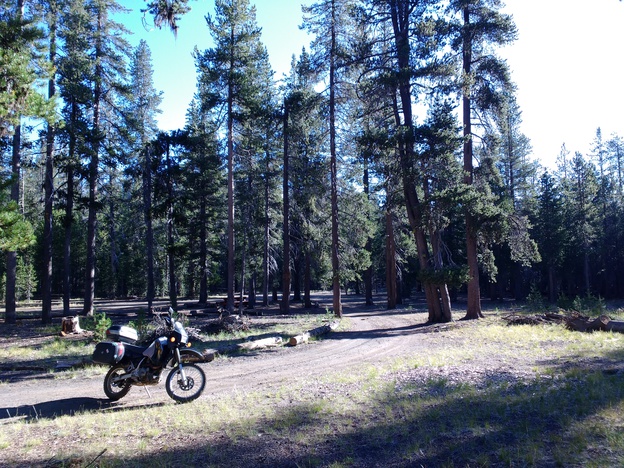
{"x": 494, "y": 395}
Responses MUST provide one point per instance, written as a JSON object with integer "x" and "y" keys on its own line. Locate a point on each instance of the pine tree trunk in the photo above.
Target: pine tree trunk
{"x": 337, "y": 304}
{"x": 112, "y": 234}
{"x": 391, "y": 276}
{"x": 473, "y": 308}
{"x": 229, "y": 306}
{"x": 173, "y": 283}
{"x": 241, "y": 296}
{"x": 442, "y": 289}
{"x": 203, "y": 253}
{"x": 368, "y": 273}
{"x": 296, "y": 278}
{"x": 251, "y": 302}
{"x": 190, "y": 270}
{"x": 265, "y": 254}
{"x": 149, "y": 230}
{"x": 552, "y": 285}
{"x": 11, "y": 257}
{"x": 48, "y": 184}
{"x": 68, "y": 223}
{"x": 307, "y": 281}
{"x": 89, "y": 293}
{"x": 400, "y": 14}
{"x": 285, "y": 304}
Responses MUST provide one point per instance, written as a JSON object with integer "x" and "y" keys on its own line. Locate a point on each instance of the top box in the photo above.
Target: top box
{"x": 122, "y": 333}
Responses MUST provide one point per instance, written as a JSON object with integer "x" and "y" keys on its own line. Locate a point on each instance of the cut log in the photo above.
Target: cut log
{"x": 299, "y": 339}
{"x": 263, "y": 343}
{"x": 585, "y": 324}
{"x": 323, "y": 330}
{"x": 319, "y": 331}
{"x": 615, "y": 326}
{"x": 70, "y": 325}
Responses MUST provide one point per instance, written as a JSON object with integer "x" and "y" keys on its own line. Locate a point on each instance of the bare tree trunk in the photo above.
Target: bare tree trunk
{"x": 285, "y": 304}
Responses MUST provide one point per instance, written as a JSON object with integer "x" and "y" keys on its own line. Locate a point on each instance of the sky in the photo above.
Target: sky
{"x": 567, "y": 64}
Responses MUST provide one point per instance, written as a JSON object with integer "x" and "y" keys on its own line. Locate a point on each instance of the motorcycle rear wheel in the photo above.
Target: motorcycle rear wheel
{"x": 195, "y": 383}
{"x": 116, "y": 390}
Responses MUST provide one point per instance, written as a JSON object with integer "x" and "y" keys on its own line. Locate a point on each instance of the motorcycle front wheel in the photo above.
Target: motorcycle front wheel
{"x": 194, "y": 386}
{"x": 116, "y": 390}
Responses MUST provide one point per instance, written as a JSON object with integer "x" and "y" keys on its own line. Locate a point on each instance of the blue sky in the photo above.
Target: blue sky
{"x": 567, "y": 64}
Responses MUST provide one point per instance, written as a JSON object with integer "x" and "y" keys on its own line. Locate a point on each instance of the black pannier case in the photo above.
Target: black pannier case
{"x": 122, "y": 333}
{"x": 107, "y": 352}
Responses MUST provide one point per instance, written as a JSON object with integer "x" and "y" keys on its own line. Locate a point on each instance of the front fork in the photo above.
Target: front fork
{"x": 180, "y": 367}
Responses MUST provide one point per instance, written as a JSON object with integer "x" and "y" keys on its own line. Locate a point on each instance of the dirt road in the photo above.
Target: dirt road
{"x": 373, "y": 335}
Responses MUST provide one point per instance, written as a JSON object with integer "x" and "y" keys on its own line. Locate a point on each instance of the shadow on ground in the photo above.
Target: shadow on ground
{"x": 66, "y": 407}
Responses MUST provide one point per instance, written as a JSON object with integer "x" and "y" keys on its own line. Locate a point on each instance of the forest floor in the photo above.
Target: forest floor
{"x": 423, "y": 364}
{"x": 370, "y": 334}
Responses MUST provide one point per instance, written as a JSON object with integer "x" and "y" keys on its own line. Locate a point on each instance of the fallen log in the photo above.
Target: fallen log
{"x": 585, "y": 324}
{"x": 319, "y": 331}
{"x": 299, "y": 339}
{"x": 602, "y": 323}
{"x": 259, "y": 344}
{"x": 615, "y": 326}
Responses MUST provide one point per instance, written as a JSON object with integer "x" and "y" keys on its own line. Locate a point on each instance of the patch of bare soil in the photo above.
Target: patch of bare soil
{"x": 372, "y": 335}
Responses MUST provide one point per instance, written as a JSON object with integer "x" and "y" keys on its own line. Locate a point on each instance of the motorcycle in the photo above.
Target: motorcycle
{"x": 136, "y": 365}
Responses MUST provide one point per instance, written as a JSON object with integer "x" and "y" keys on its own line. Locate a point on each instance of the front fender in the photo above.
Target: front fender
{"x": 191, "y": 355}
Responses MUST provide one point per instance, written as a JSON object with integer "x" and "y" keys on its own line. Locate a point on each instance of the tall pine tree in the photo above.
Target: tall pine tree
{"x": 225, "y": 73}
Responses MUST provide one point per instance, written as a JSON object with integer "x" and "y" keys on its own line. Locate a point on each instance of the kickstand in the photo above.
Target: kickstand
{"x": 147, "y": 390}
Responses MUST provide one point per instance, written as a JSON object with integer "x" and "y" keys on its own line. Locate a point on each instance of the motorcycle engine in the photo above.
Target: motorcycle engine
{"x": 146, "y": 376}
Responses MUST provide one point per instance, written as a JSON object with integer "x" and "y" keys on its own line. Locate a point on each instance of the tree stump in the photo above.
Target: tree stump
{"x": 70, "y": 325}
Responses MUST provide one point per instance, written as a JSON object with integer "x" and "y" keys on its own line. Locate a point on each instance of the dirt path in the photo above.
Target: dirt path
{"x": 373, "y": 335}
